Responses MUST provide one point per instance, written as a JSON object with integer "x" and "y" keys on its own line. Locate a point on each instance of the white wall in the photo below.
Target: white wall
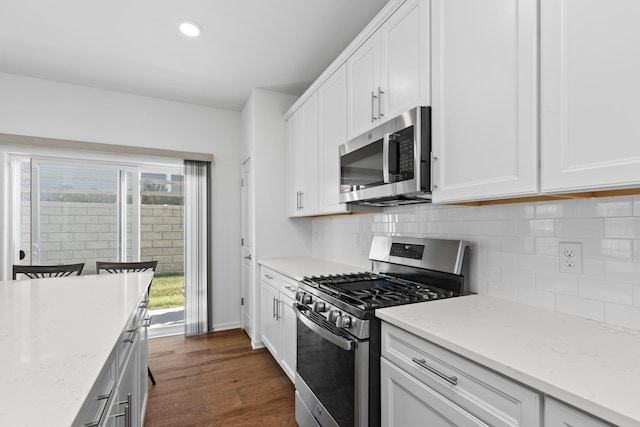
{"x": 49, "y": 109}
{"x": 515, "y": 253}
{"x": 265, "y": 141}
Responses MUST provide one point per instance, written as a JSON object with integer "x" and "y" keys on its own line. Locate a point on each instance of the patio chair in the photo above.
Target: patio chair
{"x": 128, "y": 267}
{"x": 45, "y": 271}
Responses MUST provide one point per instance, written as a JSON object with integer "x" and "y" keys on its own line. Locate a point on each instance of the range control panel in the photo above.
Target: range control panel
{"x": 406, "y": 250}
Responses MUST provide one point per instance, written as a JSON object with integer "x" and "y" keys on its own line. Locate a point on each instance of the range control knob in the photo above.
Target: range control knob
{"x": 306, "y": 299}
{"x": 333, "y": 316}
{"x": 299, "y": 295}
{"x": 343, "y": 321}
{"x": 319, "y": 306}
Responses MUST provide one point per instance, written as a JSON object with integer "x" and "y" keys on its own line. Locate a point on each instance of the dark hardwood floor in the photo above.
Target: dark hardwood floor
{"x": 216, "y": 380}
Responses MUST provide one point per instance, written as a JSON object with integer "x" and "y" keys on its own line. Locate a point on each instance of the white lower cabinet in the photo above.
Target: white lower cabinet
{"x": 119, "y": 395}
{"x": 421, "y": 382}
{"x": 279, "y": 319}
{"x": 557, "y": 414}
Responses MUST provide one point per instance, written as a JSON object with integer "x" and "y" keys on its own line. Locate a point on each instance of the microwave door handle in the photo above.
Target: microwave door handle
{"x": 385, "y": 158}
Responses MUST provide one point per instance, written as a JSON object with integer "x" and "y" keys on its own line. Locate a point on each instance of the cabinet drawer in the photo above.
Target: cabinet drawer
{"x": 489, "y": 396}
{"x": 405, "y": 400}
{"x": 557, "y": 414}
{"x": 94, "y": 410}
{"x": 289, "y": 287}
{"x": 270, "y": 276}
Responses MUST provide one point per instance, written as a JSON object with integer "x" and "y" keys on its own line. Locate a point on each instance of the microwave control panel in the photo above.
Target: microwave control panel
{"x": 401, "y": 154}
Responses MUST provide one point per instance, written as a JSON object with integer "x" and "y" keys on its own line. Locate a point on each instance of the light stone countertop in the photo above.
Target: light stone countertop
{"x": 588, "y": 364}
{"x": 55, "y": 337}
{"x": 297, "y": 268}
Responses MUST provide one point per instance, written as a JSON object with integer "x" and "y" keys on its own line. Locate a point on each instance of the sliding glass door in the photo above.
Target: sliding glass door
{"x": 74, "y": 212}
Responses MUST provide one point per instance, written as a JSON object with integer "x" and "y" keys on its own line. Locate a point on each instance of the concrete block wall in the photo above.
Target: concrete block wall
{"x": 87, "y": 232}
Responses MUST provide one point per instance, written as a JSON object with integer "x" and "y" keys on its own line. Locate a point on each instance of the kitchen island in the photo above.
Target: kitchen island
{"x": 589, "y": 365}
{"x": 56, "y": 336}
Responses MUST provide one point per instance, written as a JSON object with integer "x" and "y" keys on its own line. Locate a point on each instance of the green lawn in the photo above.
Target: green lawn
{"x": 166, "y": 291}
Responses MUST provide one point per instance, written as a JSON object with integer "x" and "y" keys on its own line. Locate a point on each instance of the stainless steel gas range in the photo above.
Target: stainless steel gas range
{"x": 338, "y": 336}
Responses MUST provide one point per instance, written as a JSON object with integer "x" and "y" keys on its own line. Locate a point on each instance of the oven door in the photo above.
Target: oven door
{"x": 332, "y": 381}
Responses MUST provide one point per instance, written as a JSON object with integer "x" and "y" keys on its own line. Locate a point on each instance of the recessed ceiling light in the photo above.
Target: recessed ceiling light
{"x": 190, "y": 28}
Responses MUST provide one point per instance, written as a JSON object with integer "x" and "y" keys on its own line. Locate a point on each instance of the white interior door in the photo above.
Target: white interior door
{"x": 247, "y": 248}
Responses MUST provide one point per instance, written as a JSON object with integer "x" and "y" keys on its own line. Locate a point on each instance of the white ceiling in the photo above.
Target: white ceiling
{"x": 134, "y": 46}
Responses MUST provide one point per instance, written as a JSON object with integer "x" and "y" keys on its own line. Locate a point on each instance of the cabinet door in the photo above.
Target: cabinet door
{"x": 363, "y": 81}
{"x": 590, "y": 92}
{"x": 485, "y": 99}
{"x": 405, "y": 74}
{"x": 303, "y": 165}
{"x": 288, "y": 337}
{"x": 294, "y": 127}
{"x": 557, "y": 414}
{"x": 270, "y": 324}
{"x": 405, "y": 400}
{"x": 332, "y": 102}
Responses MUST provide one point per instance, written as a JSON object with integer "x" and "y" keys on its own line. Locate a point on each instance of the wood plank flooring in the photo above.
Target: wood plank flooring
{"x": 216, "y": 380}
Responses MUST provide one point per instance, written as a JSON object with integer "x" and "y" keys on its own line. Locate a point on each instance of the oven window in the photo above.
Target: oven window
{"x": 362, "y": 168}
{"x": 329, "y": 371}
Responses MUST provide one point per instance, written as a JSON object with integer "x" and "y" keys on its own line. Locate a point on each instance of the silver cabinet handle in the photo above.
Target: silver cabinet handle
{"x": 268, "y": 277}
{"x": 380, "y": 92}
{"x": 144, "y": 304}
{"x": 373, "y": 113}
{"x": 273, "y": 307}
{"x": 146, "y": 322}
{"x": 104, "y": 409}
{"x": 290, "y": 288}
{"x": 423, "y": 363}
{"x": 434, "y": 158}
{"x": 127, "y": 411}
{"x": 132, "y": 338}
{"x": 301, "y": 200}
{"x": 248, "y": 257}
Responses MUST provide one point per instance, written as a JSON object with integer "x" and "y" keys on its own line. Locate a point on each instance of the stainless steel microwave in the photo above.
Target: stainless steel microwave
{"x": 390, "y": 164}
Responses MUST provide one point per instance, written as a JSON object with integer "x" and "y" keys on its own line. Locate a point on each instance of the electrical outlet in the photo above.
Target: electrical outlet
{"x": 571, "y": 257}
{"x": 356, "y": 240}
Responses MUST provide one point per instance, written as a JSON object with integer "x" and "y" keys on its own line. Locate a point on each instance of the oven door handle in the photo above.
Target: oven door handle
{"x": 334, "y": 339}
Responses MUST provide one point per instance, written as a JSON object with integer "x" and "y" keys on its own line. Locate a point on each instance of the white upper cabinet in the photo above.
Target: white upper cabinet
{"x": 332, "y": 103}
{"x": 389, "y": 73}
{"x": 303, "y": 159}
{"x": 589, "y": 98}
{"x": 363, "y": 77}
{"x": 485, "y": 99}
{"x": 404, "y": 59}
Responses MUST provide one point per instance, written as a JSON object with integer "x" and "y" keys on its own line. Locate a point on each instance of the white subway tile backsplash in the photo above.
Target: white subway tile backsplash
{"x": 537, "y": 263}
{"x": 537, "y": 227}
{"x": 516, "y": 211}
{"x": 502, "y": 291}
{"x": 605, "y": 207}
{"x": 547, "y": 246}
{"x": 582, "y": 307}
{"x": 576, "y": 228}
{"x": 559, "y": 209}
{"x": 593, "y": 268}
{"x": 622, "y": 227}
{"x": 607, "y": 248}
{"x": 518, "y": 278}
{"x": 605, "y": 291}
{"x": 557, "y": 284}
{"x": 515, "y": 252}
{"x": 622, "y": 271}
{"x": 521, "y": 245}
{"x": 622, "y": 315}
{"x": 503, "y": 260}
{"x": 537, "y": 298}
